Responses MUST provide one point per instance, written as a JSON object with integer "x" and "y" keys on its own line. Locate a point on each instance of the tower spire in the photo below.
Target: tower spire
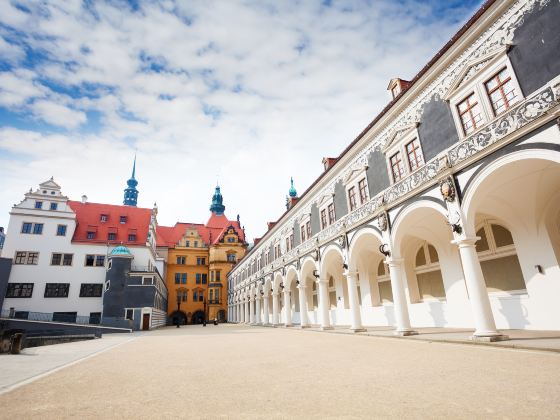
{"x": 130, "y": 192}
{"x": 217, "y": 206}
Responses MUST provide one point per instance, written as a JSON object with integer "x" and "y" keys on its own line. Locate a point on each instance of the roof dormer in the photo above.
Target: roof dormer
{"x": 396, "y": 86}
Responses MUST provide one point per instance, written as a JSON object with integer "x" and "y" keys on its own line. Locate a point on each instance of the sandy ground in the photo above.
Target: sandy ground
{"x": 249, "y": 372}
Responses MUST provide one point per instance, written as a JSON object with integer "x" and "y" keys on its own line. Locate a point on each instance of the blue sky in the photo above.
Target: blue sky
{"x": 247, "y": 92}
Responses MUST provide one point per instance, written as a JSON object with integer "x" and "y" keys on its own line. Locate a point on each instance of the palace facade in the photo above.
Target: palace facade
{"x": 198, "y": 259}
{"x": 445, "y": 210}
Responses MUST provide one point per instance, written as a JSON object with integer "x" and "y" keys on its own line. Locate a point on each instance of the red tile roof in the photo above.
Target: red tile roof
{"x": 88, "y": 217}
{"x": 211, "y": 233}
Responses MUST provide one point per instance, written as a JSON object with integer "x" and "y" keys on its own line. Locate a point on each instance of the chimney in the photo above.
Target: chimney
{"x": 328, "y": 162}
{"x": 256, "y": 241}
{"x": 270, "y": 225}
{"x": 84, "y": 199}
{"x": 396, "y": 86}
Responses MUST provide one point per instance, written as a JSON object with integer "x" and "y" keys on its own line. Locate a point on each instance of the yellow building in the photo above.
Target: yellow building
{"x": 198, "y": 260}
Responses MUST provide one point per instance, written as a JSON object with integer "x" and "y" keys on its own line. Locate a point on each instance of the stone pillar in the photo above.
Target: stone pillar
{"x": 324, "y": 304}
{"x": 478, "y": 295}
{"x": 304, "y": 321}
{"x": 265, "y": 309}
{"x": 356, "y": 317}
{"x": 399, "y": 297}
{"x": 274, "y": 308}
{"x": 258, "y": 315}
{"x": 287, "y": 308}
{"x": 252, "y": 309}
{"x": 246, "y": 310}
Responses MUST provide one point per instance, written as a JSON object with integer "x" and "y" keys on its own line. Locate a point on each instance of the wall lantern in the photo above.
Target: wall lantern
{"x": 282, "y": 285}
{"x": 384, "y": 249}
{"x": 316, "y": 274}
{"x": 297, "y": 282}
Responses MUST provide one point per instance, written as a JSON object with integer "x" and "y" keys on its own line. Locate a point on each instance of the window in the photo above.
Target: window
{"x": 91, "y": 235}
{"x": 112, "y": 236}
{"x": 501, "y": 91}
{"x": 19, "y": 290}
{"x": 414, "y": 155}
{"x": 428, "y": 273}
{"x": 200, "y": 261}
{"x": 362, "y": 187}
{"x": 38, "y": 204}
{"x": 384, "y": 284}
{"x": 61, "y": 230}
{"x": 131, "y": 237}
{"x": 103, "y": 218}
{"x": 196, "y": 244}
{"x": 198, "y": 278}
{"x": 37, "y": 229}
{"x": 180, "y": 278}
{"x": 53, "y": 290}
{"x": 352, "y": 198}
{"x": 308, "y": 229}
{"x": 147, "y": 281}
{"x": 122, "y": 220}
{"x": 91, "y": 290}
{"x": 54, "y": 206}
{"x": 26, "y": 257}
{"x": 95, "y": 260}
{"x": 64, "y": 316}
{"x": 204, "y": 278}
{"x": 182, "y": 295}
{"x": 323, "y": 218}
{"x": 332, "y": 216}
{"x": 61, "y": 259}
{"x": 470, "y": 114}
{"x": 187, "y": 244}
{"x": 231, "y": 239}
{"x": 95, "y": 317}
{"x": 26, "y": 227}
{"x": 397, "y": 166}
{"x": 211, "y": 276}
{"x": 303, "y": 238}
{"x": 181, "y": 259}
{"x": 498, "y": 259}
{"x": 231, "y": 257}
{"x": 129, "y": 314}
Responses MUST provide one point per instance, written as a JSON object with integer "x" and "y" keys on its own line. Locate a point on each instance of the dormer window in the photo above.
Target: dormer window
{"x": 123, "y": 219}
{"x": 396, "y": 86}
{"x": 91, "y": 235}
{"x": 103, "y": 218}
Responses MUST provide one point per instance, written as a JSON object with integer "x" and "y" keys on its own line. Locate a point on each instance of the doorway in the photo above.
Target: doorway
{"x": 146, "y": 322}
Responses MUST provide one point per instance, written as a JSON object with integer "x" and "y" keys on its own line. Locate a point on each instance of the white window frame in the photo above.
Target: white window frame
{"x": 353, "y": 180}
{"x": 303, "y": 225}
{"x": 325, "y": 206}
{"x": 476, "y": 85}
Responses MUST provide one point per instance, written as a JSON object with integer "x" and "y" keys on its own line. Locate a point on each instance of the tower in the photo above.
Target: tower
{"x": 130, "y": 192}
{"x": 292, "y": 192}
{"x": 292, "y": 197}
{"x": 217, "y": 207}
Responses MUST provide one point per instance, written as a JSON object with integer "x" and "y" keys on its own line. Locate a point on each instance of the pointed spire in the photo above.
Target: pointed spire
{"x": 131, "y": 193}
{"x": 292, "y": 192}
{"x": 217, "y": 206}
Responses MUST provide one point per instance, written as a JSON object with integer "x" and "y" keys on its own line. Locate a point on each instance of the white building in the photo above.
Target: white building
{"x": 60, "y": 251}
{"x": 445, "y": 210}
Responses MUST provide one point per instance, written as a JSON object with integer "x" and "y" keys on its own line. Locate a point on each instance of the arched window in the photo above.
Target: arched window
{"x": 384, "y": 283}
{"x": 332, "y": 293}
{"x": 498, "y": 259}
{"x": 428, "y": 273}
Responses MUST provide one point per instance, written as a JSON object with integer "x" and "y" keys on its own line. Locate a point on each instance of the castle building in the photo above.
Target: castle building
{"x": 445, "y": 210}
{"x": 198, "y": 259}
{"x": 64, "y": 263}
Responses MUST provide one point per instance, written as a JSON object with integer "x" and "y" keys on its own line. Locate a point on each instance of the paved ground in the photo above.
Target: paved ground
{"x": 251, "y": 372}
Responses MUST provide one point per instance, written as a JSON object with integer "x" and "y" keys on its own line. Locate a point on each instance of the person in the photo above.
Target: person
{"x": 215, "y": 321}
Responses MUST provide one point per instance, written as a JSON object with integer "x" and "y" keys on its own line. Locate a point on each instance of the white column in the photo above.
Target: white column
{"x": 303, "y": 306}
{"x": 252, "y": 309}
{"x": 399, "y": 297}
{"x": 258, "y": 317}
{"x": 356, "y": 318}
{"x": 265, "y": 309}
{"x": 478, "y": 295}
{"x": 274, "y": 308}
{"x": 287, "y": 308}
{"x": 324, "y": 303}
{"x": 246, "y": 310}
{"x": 238, "y": 310}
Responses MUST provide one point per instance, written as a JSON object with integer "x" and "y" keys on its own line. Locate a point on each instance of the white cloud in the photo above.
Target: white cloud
{"x": 291, "y": 83}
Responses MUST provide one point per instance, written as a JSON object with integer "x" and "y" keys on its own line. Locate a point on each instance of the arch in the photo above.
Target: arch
{"x": 330, "y": 252}
{"x": 292, "y": 275}
{"x": 197, "y": 317}
{"x": 475, "y": 184}
{"x": 177, "y": 317}
{"x": 358, "y": 238}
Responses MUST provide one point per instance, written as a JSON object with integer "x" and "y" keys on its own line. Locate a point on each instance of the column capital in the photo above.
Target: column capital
{"x": 302, "y": 286}
{"x": 466, "y": 242}
{"x": 351, "y": 273}
{"x": 322, "y": 280}
{"x": 394, "y": 262}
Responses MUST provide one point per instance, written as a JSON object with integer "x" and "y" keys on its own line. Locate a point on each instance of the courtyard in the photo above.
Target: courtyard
{"x": 231, "y": 371}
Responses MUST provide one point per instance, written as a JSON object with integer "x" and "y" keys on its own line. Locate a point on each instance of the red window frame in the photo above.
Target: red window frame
{"x": 362, "y": 187}
{"x": 468, "y": 111}
{"x": 302, "y": 228}
{"x": 323, "y": 218}
{"x": 500, "y": 87}
{"x": 352, "y": 198}
{"x": 414, "y": 154}
{"x": 332, "y": 215}
{"x": 397, "y": 166}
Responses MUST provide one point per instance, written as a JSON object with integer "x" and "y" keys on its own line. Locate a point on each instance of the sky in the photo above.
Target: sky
{"x": 243, "y": 93}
